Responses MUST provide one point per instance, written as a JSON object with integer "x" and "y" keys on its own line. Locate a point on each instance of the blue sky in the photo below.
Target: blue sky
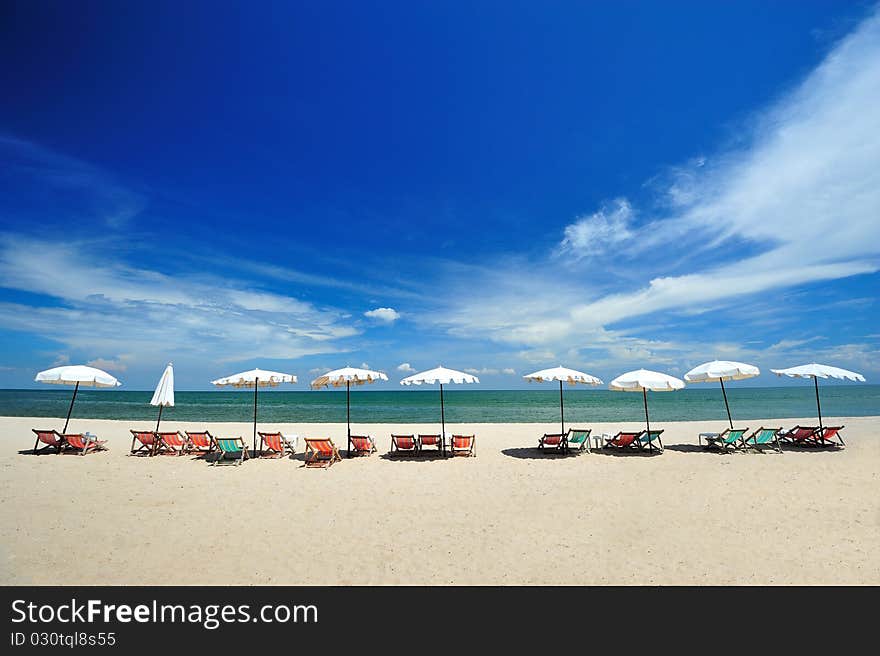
{"x": 498, "y": 187}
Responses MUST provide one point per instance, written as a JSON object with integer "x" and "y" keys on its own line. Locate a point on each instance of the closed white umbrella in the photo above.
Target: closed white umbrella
{"x": 817, "y": 371}
{"x": 718, "y": 371}
{"x": 347, "y": 376}
{"x": 642, "y": 380}
{"x": 255, "y": 378}
{"x": 164, "y": 394}
{"x": 562, "y": 374}
{"x": 77, "y": 374}
{"x": 443, "y": 376}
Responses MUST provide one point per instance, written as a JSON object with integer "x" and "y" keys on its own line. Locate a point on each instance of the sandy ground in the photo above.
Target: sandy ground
{"x": 508, "y": 516}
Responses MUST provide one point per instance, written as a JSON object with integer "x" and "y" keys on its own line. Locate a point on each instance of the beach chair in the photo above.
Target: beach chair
{"x": 321, "y": 452}
{"x": 51, "y": 439}
{"x": 623, "y": 440}
{"x": 276, "y": 445}
{"x": 233, "y": 447}
{"x": 202, "y": 441}
{"x": 578, "y": 439}
{"x": 362, "y": 445}
{"x": 148, "y": 440}
{"x": 826, "y": 436}
{"x": 430, "y": 441}
{"x": 404, "y": 444}
{"x": 84, "y": 444}
{"x": 172, "y": 442}
{"x": 728, "y": 440}
{"x": 464, "y": 445}
{"x": 555, "y": 442}
{"x": 800, "y": 435}
{"x": 764, "y": 437}
{"x": 645, "y": 440}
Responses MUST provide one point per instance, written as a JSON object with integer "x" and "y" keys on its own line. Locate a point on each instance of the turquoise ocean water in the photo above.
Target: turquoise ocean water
{"x": 466, "y": 406}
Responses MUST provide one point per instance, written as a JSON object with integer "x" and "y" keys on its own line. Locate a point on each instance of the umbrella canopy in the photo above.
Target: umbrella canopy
{"x": 817, "y": 371}
{"x": 642, "y": 380}
{"x": 443, "y": 376}
{"x": 562, "y": 374}
{"x": 347, "y": 376}
{"x": 718, "y": 371}
{"x": 164, "y": 394}
{"x": 255, "y": 378}
{"x": 77, "y": 375}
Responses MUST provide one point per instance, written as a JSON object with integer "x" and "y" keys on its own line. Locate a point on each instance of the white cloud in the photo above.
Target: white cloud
{"x": 508, "y": 371}
{"x": 386, "y": 315}
{"x": 405, "y": 367}
{"x": 594, "y": 235}
{"x": 119, "y": 364}
{"x": 490, "y": 371}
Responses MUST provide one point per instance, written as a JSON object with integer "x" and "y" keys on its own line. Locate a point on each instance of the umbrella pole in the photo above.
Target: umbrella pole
{"x": 647, "y": 421}
{"x": 348, "y": 413}
{"x": 729, "y": 420}
{"x": 818, "y": 407}
{"x": 561, "y": 408}
{"x": 159, "y": 419}
{"x": 256, "y": 387}
{"x": 442, "y": 422}
{"x": 70, "y": 409}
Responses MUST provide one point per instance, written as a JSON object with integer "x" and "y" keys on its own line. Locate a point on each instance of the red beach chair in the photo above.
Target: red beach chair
{"x": 430, "y": 441}
{"x": 553, "y": 441}
{"x": 148, "y": 443}
{"x": 52, "y": 440}
{"x": 203, "y": 441}
{"x": 362, "y": 445}
{"x": 826, "y": 436}
{"x": 84, "y": 444}
{"x": 464, "y": 445}
{"x": 623, "y": 440}
{"x": 173, "y": 442}
{"x": 404, "y": 443}
{"x": 276, "y": 445}
{"x": 321, "y": 452}
{"x": 800, "y": 435}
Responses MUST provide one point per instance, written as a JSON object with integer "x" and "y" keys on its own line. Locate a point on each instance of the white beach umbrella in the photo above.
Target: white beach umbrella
{"x": 164, "y": 394}
{"x": 347, "y": 376}
{"x": 562, "y": 374}
{"x": 443, "y": 376}
{"x": 718, "y": 371}
{"x": 255, "y": 378}
{"x": 642, "y": 380}
{"x": 817, "y": 371}
{"x": 77, "y": 374}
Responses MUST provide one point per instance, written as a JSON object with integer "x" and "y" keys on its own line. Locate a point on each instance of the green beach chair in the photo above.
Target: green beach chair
{"x": 729, "y": 440}
{"x": 579, "y": 439}
{"x": 233, "y": 447}
{"x": 645, "y": 440}
{"x": 764, "y": 438}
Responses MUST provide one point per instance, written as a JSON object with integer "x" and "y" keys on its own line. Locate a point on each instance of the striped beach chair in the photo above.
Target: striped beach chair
{"x": 202, "y": 441}
{"x": 362, "y": 445}
{"x": 51, "y": 439}
{"x": 143, "y": 443}
{"x": 276, "y": 445}
{"x": 173, "y": 442}
{"x": 84, "y": 444}
{"x": 321, "y": 452}
{"x": 232, "y": 447}
{"x": 404, "y": 444}
{"x": 764, "y": 438}
{"x": 727, "y": 441}
{"x": 578, "y": 439}
{"x": 464, "y": 445}
{"x": 429, "y": 441}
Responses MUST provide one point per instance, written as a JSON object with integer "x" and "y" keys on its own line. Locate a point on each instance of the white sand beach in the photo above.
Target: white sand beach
{"x": 508, "y": 516}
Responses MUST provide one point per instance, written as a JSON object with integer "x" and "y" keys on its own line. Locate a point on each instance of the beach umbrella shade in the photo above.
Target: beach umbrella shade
{"x": 443, "y": 376}
{"x": 77, "y": 375}
{"x": 164, "y": 394}
{"x": 817, "y": 371}
{"x": 255, "y": 378}
{"x": 642, "y": 380}
{"x": 347, "y": 376}
{"x": 718, "y": 371}
{"x": 562, "y": 374}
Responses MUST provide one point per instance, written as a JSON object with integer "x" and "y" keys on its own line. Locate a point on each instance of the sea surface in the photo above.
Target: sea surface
{"x": 465, "y": 406}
